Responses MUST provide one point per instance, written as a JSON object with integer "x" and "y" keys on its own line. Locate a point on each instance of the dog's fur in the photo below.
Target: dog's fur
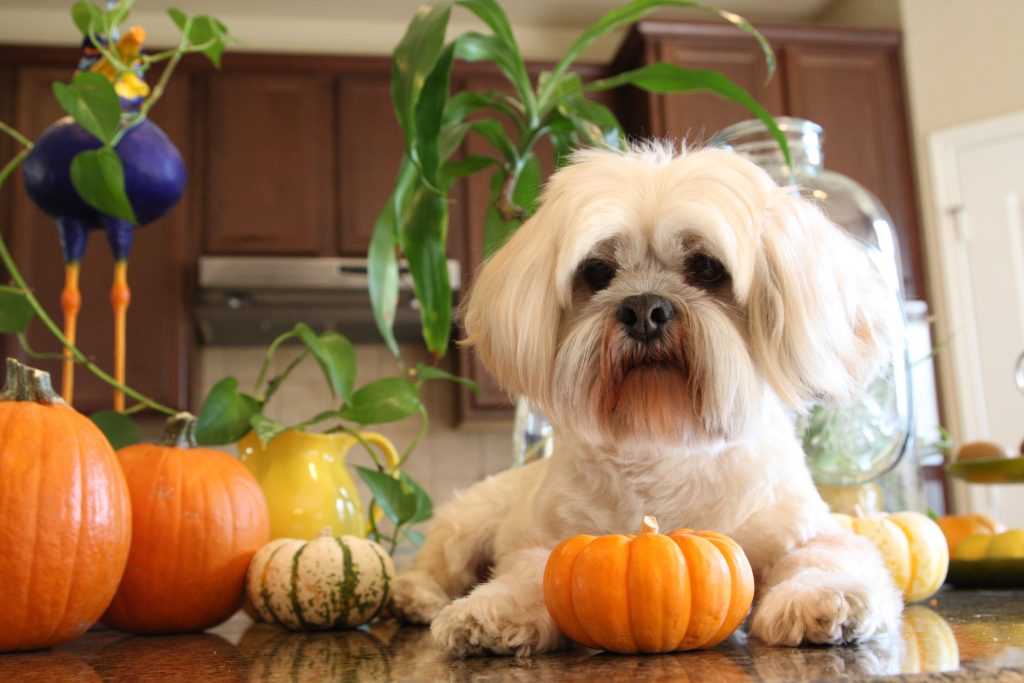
{"x": 690, "y": 426}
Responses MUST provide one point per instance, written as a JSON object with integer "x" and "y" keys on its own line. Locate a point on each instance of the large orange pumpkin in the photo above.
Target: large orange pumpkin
{"x": 649, "y": 592}
{"x": 65, "y": 519}
{"x": 199, "y": 518}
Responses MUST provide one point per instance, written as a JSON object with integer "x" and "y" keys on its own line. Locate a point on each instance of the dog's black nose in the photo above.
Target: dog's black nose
{"x": 645, "y": 315}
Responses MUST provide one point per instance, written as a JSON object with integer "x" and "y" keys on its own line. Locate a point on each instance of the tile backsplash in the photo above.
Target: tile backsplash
{"x": 445, "y": 461}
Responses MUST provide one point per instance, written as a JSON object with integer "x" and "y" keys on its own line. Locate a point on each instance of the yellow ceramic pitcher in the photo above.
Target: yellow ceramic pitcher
{"x": 306, "y": 483}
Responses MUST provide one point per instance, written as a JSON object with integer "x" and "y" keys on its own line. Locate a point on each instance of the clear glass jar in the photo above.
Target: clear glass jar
{"x": 853, "y": 443}
{"x": 532, "y": 435}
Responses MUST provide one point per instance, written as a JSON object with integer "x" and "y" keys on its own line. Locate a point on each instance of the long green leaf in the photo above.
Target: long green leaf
{"x": 383, "y": 259}
{"x": 397, "y": 499}
{"x": 413, "y": 61}
{"x": 335, "y": 355}
{"x": 631, "y": 13}
{"x": 430, "y": 117}
{"x": 16, "y": 312}
{"x": 669, "y": 78}
{"x": 385, "y": 400}
{"x": 463, "y": 103}
{"x": 476, "y": 47}
{"x": 494, "y": 132}
{"x": 117, "y": 427}
{"x": 225, "y": 414}
{"x": 492, "y": 14}
{"x": 98, "y": 177}
{"x": 423, "y": 236}
{"x": 92, "y": 102}
{"x": 429, "y": 372}
{"x": 87, "y": 17}
{"x": 453, "y": 171}
{"x": 596, "y": 123}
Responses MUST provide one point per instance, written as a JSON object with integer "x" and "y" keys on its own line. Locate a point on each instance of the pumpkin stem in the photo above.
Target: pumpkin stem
{"x": 180, "y": 431}
{"x": 29, "y": 384}
{"x": 325, "y": 532}
{"x": 650, "y": 525}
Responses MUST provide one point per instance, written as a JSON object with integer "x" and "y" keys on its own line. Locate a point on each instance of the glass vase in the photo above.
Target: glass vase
{"x": 853, "y": 443}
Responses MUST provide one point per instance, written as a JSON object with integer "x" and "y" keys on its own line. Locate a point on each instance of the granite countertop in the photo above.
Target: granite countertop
{"x": 956, "y": 635}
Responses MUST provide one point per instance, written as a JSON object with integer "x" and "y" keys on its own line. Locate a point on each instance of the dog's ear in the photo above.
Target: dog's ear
{"x": 820, "y": 313}
{"x": 511, "y": 316}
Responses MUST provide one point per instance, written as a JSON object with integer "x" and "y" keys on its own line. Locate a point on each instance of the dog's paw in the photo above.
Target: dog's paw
{"x": 416, "y": 598}
{"x": 476, "y": 625}
{"x": 826, "y": 608}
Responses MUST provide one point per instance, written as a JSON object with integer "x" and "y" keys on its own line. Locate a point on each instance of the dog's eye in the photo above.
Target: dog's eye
{"x": 706, "y": 270}
{"x": 598, "y": 274}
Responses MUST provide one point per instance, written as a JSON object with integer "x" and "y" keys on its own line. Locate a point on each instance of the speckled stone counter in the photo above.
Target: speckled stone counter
{"x": 957, "y": 635}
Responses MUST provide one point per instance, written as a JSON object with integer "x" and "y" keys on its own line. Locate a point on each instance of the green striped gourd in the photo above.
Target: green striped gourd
{"x": 328, "y": 582}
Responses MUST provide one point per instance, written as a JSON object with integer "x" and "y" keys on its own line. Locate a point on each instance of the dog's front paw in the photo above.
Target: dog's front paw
{"x": 825, "y": 607}
{"x": 416, "y": 598}
{"x": 498, "y": 625}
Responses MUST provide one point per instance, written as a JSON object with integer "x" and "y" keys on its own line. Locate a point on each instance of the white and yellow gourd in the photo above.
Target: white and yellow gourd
{"x": 328, "y": 582}
{"x": 912, "y": 546}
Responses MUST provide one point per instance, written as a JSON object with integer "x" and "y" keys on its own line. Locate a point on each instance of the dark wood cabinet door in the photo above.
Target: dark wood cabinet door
{"x": 698, "y": 116}
{"x": 268, "y": 171}
{"x": 159, "y": 331}
{"x": 370, "y": 149}
{"x": 855, "y": 94}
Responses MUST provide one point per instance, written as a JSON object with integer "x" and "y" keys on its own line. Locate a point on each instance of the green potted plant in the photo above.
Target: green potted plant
{"x": 435, "y": 121}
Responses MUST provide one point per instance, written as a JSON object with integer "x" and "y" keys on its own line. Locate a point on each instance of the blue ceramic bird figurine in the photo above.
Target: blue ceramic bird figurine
{"x": 154, "y": 181}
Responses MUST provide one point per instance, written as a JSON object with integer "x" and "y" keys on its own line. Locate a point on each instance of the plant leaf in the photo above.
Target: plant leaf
{"x": 206, "y": 29}
{"x": 226, "y": 415}
{"x": 92, "y": 102}
{"x": 178, "y": 17}
{"x": 87, "y": 17}
{"x": 336, "y": 356}
{"x": 596, "y": 123}
{"x": 430, "y": 117}
{"x": 494, "y": 132}
{"x": 396, "y": 498}
{"x": 119, "y": 429}
{"x": 382, "y": 268}
{"x": 463, "y": 103}
{"x": 98, "y": 177}
{"x": 413, "y": 61}
{"x": 670, "y": 78}
{"x": 508, "y": 56}
{"x": 415, "y": 537}
{"x": 265, "y": 428}
{"x": 16, "y": 312}
{"x": 476, "y": 47}
{"x": 424, "y": 508}
{"x": 385, "y": 400}
{"x": 428, "y": 372}
{"x": 422, "y": 237}
{"x": 119, "y": 12}
{"x": 452, "y": 171}
{"x": 631, "y": 13}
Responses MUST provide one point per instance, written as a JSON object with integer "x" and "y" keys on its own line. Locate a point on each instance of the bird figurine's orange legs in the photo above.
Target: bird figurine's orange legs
{"x": 71, "y": 304}
{"x": 120, "y": 297}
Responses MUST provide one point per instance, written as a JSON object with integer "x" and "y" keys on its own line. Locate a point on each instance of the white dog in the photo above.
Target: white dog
{"x": 662, "y": 310}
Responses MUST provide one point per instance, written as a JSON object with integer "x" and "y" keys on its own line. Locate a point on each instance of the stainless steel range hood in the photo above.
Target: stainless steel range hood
{"x": 249, "y": 300}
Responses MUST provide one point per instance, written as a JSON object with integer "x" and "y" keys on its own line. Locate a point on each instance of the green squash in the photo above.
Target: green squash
{"x": 328, "y": 582}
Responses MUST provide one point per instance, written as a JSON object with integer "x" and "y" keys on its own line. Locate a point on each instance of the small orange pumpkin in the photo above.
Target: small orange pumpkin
{"x": 200, "y": 516}
{"x": 958, "y": 527}
{"x": 650, "y": 592}
{"x": 65, "y": 517}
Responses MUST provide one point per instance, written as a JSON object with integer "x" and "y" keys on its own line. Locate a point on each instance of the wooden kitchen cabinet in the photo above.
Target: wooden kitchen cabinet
{"x": 849, "y": 81}
{"x": 267, "y": 163}
{"x": 159, "y": 318}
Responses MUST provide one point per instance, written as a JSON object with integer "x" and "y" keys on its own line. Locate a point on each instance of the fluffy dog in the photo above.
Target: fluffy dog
{"x": 664, "y": 311}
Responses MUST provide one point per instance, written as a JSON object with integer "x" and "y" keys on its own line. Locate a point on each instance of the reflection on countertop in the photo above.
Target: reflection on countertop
{"x": 957, "y": 635}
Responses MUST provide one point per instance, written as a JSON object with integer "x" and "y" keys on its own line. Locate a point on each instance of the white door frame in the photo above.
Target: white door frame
{"x": 965, "y": 410}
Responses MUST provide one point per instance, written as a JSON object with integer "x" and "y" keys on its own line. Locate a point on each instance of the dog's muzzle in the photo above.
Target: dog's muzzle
{"x": 644, "y": 316}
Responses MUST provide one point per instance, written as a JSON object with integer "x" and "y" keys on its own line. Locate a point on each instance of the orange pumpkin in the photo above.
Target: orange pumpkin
{"x": 65, "y": 518}
{"x": 958, "y": 527}
{"x": 649, "y": 592}
{"x": 200, "y": 516}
